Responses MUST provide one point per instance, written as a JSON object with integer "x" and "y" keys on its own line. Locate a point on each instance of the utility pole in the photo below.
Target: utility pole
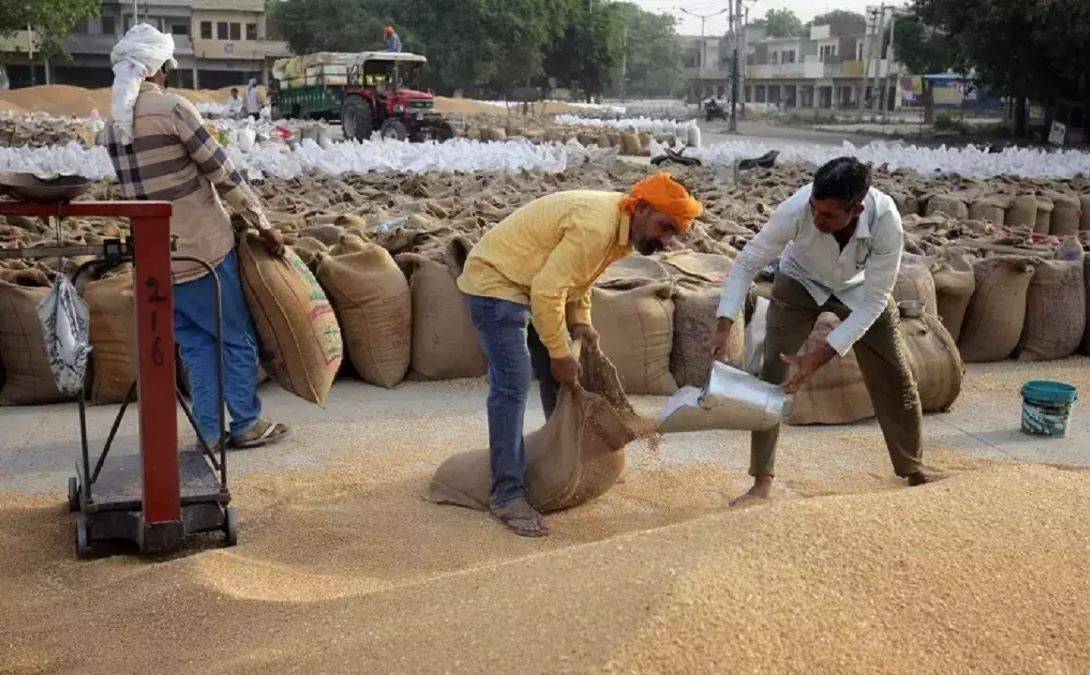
{"x": 891, "y": 77}
{"x": 879, "y": 35}
{"x": 624, "y": 62}
{"x": 30, "y": 53}
{"x": 868, "y": 39}
{"x": 734, "y": 37}
{"x": 703, "y": 44}
{"x": 745, "y": 51}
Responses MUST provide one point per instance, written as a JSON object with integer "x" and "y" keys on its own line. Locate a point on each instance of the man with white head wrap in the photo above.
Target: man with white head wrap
{"x": 253, "y": 100}
{"x": 161, "y": 150}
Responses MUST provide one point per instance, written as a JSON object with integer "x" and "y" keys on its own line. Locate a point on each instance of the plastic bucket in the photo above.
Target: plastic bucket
{"x": 1046, "y": 407}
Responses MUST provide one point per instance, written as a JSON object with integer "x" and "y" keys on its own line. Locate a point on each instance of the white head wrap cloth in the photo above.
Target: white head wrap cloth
{"x": 137, "y": 56}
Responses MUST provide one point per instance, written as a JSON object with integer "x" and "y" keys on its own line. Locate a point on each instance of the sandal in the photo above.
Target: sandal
{"x": 521, "y": 518}
{"x": 273, "y": 432}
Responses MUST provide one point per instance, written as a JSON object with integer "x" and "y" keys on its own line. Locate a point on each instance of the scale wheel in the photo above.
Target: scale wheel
{"x": 73, "y": 494}
{"x": 230, "y": 526}
{"x": 83, "y": 540}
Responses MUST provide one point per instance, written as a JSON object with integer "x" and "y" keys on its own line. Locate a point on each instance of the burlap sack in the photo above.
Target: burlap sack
{"x": 914, "y": 283}
{"x": 1023, "y": 211}
{"x": 630, "y": 144}
{"x": 374, "y": 308}
{"x": 997, "y": 310}
{"x": 699, "y": 280}
{"x": 1043, "y": 223}
{"x": 578, "y": 455}
{"x": 1084, "y": 346}
{"x": 836, "y": 394}
{"x": 949, "y": 205}
{"x": 637, "y": 329}
{"x": 954, "y": 285}
{"x": 349, "y": 243}
{"x": 444, "y": 340}
{"x": 1055, "y": 307}
{"x": 113, "y": 337}
{"x": 27, "y": 377}
{"x": 991, "y": 209}
{"x": 603, "y": 140}
{"x": 935, "y": 360}
{"x": 1084, "y": 213}
{"x": 1066, "y": 212}
{"x": 645, "y": 140}
{"x": 300, "y": 339}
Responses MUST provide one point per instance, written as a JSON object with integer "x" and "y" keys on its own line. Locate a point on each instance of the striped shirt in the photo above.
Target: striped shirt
{"x": 174, "y": 158}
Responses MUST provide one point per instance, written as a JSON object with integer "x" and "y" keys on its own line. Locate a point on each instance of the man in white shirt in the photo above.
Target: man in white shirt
{"x": 839, "y": 242}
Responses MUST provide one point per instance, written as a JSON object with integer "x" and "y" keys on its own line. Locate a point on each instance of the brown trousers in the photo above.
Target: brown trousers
{"x": 883, "y": 360}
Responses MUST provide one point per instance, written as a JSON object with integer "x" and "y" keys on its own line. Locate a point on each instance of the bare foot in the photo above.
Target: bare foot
{"x": 760, "y": 492}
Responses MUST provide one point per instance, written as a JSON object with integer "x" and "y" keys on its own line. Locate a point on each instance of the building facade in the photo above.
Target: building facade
{"x": 831, "y": 68}
{"x": 218, "y": 43}
{"x": 705, "y": 67}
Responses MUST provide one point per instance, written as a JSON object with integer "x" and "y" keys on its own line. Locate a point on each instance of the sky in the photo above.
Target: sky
{"x": 690, "y": 25}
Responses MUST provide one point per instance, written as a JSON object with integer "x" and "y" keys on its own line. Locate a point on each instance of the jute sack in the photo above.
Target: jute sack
{"x": 992, "y": 209}
{"x": 1023, "y": 211}
{"x": 699, "y": 280}
{"x": 630, "y": 144}
{"x": 954, "y": 285}
{"x": 1066, "y": 212}
{"x": 636, "y": 324}
{"x": 300, "y": 338}
{"x": 1055, "y": 307}
{"x": 1084, "y": 346}
{"x": 950, "y": 205}
{"x": 113, "y": 337}
{"x": 1084, "y": 211}
{"x": 914, "y": 282}
{"x": 578, "y": 455}
{"x": 997, "y": 310}
{"x": 350, "y": 243}
{"x": 444, "y": 340}
{"x": 1043, "y": 223}
{"x": 28, "y": 379}
{"x": 836, "y": 394}
{"x": 935, "y": 361}
{"x": 374, "y": 307}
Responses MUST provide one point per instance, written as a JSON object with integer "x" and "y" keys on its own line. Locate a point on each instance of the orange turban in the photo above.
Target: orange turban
{"x": 664, "y": 194}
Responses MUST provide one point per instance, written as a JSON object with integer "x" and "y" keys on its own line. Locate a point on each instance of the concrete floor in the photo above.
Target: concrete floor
{"x": 39, "y": 445}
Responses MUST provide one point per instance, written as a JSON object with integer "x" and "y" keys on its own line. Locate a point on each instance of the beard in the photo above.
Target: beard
{"x": 648, "y": 246}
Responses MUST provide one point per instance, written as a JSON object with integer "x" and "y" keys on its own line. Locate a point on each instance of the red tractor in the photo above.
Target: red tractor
{"x": 367, "y": 92}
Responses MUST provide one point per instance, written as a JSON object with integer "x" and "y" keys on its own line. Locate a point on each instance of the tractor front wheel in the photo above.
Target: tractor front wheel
{"x": 395, "y": 129}
{"x": 356, "y": 119}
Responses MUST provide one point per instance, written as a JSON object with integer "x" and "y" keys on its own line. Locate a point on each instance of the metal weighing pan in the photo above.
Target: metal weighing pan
{"x": 29, "y": 188}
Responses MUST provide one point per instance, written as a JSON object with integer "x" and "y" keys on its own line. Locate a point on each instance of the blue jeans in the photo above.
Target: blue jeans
{"x": 195, "y": 332}
{"x": 513, "y": 349}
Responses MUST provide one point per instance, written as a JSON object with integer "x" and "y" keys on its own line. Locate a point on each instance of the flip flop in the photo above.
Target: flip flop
{"x": 274, "y": 432}
{"x": 521, "y": 518}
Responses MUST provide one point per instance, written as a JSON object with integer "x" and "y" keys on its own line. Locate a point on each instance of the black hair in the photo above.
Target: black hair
{"x": 844, "y": 178}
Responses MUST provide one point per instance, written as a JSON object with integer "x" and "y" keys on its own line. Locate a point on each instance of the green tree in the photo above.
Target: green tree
{"x": 922, "y": 48}
{"x": 652, "y": 48}
{"x": 1031, "y": 50}
{"x": 51, "y": 20}
{"x": 783, "y": 23}
{"x": 851, "y": 21}
{"x": 588, "y": 55}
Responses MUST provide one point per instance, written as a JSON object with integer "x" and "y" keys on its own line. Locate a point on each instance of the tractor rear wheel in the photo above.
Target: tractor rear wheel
{"x": 356, "y": 119}
{"x": 444, "y": 132}
{"x": 395, "y": 129}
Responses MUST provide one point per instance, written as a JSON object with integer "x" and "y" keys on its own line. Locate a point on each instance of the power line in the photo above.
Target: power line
{"x": 703, "y": 43}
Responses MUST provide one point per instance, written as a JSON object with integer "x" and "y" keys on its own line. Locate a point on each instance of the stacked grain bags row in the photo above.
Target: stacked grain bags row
{"x": 628, "y": 142}
{"x": 1045, "y": 212}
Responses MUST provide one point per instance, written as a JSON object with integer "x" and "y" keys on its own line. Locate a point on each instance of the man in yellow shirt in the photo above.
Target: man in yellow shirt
{"x": 529, "y": 284}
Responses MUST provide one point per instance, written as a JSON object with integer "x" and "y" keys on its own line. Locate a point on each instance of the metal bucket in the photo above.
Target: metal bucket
{"x": 733, "y": 399}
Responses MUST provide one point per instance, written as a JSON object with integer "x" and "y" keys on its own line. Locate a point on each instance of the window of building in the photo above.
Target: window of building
{"x": 774, "y": 58}
{"x": 179, "y": 29}
{"x": 789, "y": 56}
{"x": 80, "y": 28}
{"x": 236, "y": 31}
{"x": 251, "y": 31}
{"x": 749, "y": 94}
{"x": 759, "y": 93}
{"x": 109, "y": 25}
{"x": 221, "y": 30}
{"x": 859, "y": 50}
{"x": 827, "y": 51}
{"x": 206, "y": 30}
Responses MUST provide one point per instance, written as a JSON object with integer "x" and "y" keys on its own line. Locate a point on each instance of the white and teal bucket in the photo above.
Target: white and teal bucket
{"x": 1046, "y": 407}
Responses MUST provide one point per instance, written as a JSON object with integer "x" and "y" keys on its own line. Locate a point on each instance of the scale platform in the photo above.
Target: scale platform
{"x": 114, "y": 509}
